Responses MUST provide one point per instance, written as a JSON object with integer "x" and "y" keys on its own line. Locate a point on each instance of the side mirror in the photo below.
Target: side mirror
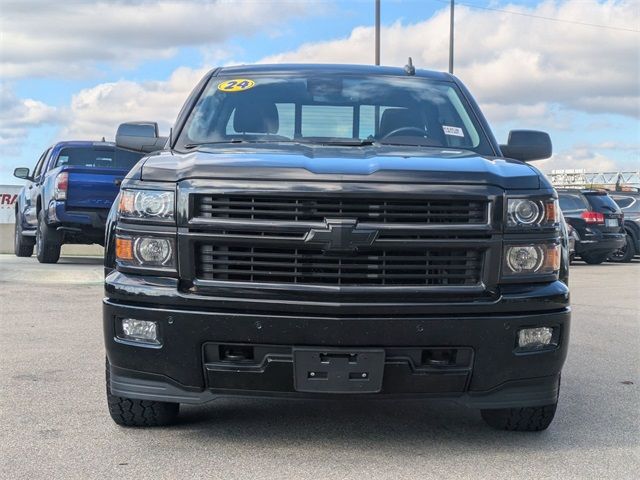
{"x": 527, "y": 145}
{"x": 140, "y": 137}
{"x": 22, "y": 173}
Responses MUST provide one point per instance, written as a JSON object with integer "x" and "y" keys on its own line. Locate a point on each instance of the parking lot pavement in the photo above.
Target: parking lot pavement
{"x": 54, "y": 421}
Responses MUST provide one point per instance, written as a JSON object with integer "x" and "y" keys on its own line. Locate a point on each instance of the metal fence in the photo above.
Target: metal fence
{"x": 580, "y": 178}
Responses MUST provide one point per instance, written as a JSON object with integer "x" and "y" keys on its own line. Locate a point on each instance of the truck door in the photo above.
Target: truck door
{"x": 32, "y": 190}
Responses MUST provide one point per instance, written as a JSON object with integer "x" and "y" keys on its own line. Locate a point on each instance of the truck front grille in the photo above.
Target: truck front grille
{"x": 373, "y": 266}
{"x": 316, "y": 209}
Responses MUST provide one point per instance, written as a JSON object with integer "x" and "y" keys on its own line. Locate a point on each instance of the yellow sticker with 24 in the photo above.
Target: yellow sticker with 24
{"x": 236, "y": 85}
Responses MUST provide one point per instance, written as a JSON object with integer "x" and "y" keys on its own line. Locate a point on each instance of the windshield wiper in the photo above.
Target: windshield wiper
{"x": 190, "y": 146}
{"x": 340, "y": 142}
{"x": 201, "y": 144}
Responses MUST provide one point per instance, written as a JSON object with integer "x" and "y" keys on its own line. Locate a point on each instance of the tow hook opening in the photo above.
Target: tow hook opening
{"x": 236, "y": 353}
{"x": 439, "y": 357}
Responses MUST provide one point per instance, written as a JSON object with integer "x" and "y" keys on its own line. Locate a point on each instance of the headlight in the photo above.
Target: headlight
{"x": 531, "y": 259}
{"x": 525, "y": 213}
{"x": 147, "y": 204}
{"x": 145, "y": 251}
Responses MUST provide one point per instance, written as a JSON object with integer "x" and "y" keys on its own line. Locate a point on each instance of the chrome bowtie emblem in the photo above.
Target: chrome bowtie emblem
{"x": 341, "y": 235}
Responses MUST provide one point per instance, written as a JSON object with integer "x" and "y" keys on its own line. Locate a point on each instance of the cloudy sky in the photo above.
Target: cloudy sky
{"x": 76, "y": 69}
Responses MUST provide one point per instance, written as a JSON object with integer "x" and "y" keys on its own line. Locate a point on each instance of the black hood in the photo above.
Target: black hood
{"x": 356, "y": 164}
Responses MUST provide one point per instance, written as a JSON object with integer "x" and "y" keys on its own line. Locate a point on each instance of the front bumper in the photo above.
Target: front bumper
{"x": 185, "y": 367}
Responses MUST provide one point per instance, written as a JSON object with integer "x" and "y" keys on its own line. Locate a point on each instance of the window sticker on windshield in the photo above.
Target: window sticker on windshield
{"x": 236, "y": 85}
{"x": 455, "y": 131}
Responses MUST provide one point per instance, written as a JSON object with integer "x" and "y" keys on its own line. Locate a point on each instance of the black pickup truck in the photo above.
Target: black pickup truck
{"x": 335, "y": 231}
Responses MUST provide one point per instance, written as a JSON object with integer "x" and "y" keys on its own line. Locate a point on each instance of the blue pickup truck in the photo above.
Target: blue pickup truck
{"x": 67, "y": 196}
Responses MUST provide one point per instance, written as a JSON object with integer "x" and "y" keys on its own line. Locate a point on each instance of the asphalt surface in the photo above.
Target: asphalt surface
{"x": 54, "y": 422}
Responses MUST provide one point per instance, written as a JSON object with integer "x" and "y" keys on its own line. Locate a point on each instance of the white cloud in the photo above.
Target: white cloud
{"x": 18, "y": 115}
{"x": 513, "y": 60}
{"x": 576, "y": 158}
{"x": 594, "y": 158}
{"x": 67, "y": 39}
{"x": 540, "y": 115}
{"x": 96, "y": 112}
{"x": 612, "y": 145}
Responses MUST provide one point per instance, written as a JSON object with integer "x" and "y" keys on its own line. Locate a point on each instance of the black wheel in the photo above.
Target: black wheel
{"x": 626, "y": 253}
{"x": 22, "y": 246}
{"x": 130, "y": 412}
{"x": 594, "y": 258}
{"x": 526, "y": 419}
{"x": 47, "y": 241}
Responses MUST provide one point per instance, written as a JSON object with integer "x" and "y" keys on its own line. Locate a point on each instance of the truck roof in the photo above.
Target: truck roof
{"x": 83, "y": 143}
{"x": 56, "y": 147}
{"x": 325, "y": 68}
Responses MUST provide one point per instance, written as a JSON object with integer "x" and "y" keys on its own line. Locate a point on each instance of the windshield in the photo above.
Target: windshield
{"x": 334, "y": 109}
{"x": 98, "y": 157}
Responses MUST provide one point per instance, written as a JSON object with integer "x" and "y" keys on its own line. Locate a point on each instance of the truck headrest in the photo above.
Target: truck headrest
{"x": 256, "y": 118}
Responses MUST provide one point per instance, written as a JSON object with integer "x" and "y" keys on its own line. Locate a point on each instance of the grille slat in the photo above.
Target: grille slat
{"x": 360, "y": 258}
{"x": 327, "y": 265}
{"x": 323, "y": 214}
{"x": 316, "y": 209}
{"x": 443, "y": 266}
{"x": 344, "y": 275}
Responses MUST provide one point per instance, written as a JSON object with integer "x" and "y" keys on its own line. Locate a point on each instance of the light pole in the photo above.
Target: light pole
{"x": 377, "y": 32}
{"x": 451, "y": 37}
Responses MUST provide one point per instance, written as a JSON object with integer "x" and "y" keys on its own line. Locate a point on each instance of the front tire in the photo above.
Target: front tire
{"x": 526, "y": 419}
{"x": 594, "y": 258}
{"x": 48, "y": 242}
{"x": 626, "y": 253}
{"x": 129, "y": 412}
{"x": 22, "y": 246}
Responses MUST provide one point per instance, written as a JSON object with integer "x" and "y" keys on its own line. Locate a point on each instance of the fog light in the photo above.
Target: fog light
{"x": 533, "y": 338}
{"x": 139, "y": 330}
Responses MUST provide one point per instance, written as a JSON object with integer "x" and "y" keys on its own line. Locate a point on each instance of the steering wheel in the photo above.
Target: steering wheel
{"x": 396, "y": 131}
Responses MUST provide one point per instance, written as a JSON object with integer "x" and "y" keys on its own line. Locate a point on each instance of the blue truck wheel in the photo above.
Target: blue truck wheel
{"x": 22, "y": 246}
{"x": 48, "y": 241}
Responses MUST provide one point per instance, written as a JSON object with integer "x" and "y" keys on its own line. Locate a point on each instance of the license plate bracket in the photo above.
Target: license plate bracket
{"x": 338, "y": 370}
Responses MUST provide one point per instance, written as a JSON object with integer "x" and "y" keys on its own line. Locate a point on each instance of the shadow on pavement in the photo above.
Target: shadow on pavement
{"x": 387, "y": 424}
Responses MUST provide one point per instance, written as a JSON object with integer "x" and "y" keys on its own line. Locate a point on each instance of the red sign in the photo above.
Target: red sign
{"x": 7, "y": 199}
